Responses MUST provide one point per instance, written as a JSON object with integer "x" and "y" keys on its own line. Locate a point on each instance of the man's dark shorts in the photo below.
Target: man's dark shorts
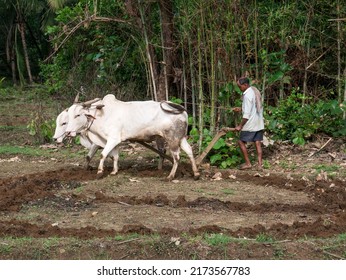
{"x": 249, "y": 136}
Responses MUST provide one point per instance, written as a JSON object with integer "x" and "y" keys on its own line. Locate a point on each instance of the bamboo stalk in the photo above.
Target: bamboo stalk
{"x": 200, "y": 92}
{"x": 164, "y": 57}
{"x": 150, "y": 60}
{"x": 339, "y": 51}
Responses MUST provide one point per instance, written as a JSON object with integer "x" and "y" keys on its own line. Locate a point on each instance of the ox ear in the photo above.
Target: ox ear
{"x": 90, "y": 117}
{"x": 99, "y": 107}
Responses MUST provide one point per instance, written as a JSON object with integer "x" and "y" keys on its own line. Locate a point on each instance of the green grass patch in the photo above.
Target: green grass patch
{"x": 8, "y": 127}
{"x": 266, "y": 164}
{"x": 36, "y": 151}
{"x": 288, "y": 165}
{"x": 228, "y": 191}
{"x": 264, "y": 238}
{"x": 217, "y": 239}
{"x": 20, "y": 150}
{"x": 342, "y": 237}
{"x": 127, "y": 237}
{"x": 326, "y": 168}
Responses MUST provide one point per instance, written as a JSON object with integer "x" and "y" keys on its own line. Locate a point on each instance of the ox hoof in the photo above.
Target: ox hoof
{"x": 196, "y": 176}
{"x": 99, "y": 174}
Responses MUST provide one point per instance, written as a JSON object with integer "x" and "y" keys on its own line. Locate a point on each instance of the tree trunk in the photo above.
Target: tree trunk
{"x": 165, "y": 78}
{"x": 25, "y": 48}
{"x": 11, "y": 55}
{"x": 161, "y": 72}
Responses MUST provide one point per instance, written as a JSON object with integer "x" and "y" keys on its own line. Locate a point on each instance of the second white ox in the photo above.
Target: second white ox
{"x": 109, "y": 122}
{"x": 60, "y": 134}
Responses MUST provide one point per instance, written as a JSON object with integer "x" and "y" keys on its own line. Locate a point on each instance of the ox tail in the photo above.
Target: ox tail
{"x": 171, "y": 107}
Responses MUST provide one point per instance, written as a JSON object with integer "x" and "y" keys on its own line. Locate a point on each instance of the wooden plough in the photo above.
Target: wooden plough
{"x": 199, "y": 158}
{"x": 221, "y": 133}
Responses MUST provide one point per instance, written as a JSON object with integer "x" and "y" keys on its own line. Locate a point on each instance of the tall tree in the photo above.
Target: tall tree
{"x": 16, "y": 23}
{"x": 160, "y": 60}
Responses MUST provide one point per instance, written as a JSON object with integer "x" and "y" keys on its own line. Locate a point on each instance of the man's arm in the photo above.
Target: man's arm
{"x": 242, "y": 123}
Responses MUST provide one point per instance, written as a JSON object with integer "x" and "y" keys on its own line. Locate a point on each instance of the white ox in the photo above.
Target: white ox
{"x": 109, "y": 122}
{"x": 60, "y": 134}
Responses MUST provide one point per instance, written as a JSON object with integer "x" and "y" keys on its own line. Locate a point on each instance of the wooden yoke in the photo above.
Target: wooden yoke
{"x": 221, "y": 133}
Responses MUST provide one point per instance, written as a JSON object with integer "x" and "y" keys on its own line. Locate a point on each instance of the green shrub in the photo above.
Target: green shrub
{"x": 295, "y": 121}
{"x": 41, "y": 128}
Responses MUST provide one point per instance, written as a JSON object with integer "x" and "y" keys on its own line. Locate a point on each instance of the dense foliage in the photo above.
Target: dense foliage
{"x": 193, "y": 51}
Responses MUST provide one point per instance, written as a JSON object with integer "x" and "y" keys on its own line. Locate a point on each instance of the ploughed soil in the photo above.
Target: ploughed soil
{"x": 52, "y": 207}
{"x": 269, "y": 214}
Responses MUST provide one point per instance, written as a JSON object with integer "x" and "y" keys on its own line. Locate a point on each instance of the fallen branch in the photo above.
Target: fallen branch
{"x": 127, "y": 241}
{"x": 334, "y": 255}
{"x": 124, "y": 203}
{"x": 80, "y": 24}
{"x": 330, "y": 139}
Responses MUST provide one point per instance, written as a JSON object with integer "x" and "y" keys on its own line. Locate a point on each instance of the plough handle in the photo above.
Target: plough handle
{"x": 221, "y": 133}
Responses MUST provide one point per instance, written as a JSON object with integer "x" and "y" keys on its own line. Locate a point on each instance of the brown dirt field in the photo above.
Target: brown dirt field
{"x": 50, "y": 198}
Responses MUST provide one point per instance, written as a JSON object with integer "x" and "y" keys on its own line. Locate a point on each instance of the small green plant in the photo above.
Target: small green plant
{"x": 279, "y": 254}
{"x": 287, "y": 165}
{"x": 342, "y": 237}
{"x": 266, "y": 164}
{"x": 326, "y": 168}
{"x": 5, "y": 248}
{"x": 264, "y": 238}
{"x": 41, "y": 128}
{"x": 228, "y": 191}
{"x": 216, "y": 239}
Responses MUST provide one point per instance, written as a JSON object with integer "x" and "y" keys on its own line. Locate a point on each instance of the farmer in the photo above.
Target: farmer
{"x": 252, "y": 123}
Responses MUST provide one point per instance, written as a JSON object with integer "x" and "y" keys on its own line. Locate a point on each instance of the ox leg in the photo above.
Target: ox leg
{"x": 111, "y": 144}
{"x": 175, "y": 152}
{"x": 160, "y": 143}
{"x": 115, "y": 156}
{"x": 188, "y": 150}
{"x": 93, "y": 149}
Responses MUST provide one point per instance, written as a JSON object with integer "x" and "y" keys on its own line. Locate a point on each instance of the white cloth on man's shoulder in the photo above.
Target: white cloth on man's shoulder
{"x": 252, "y": 110}
{"x": 259, "y": 106}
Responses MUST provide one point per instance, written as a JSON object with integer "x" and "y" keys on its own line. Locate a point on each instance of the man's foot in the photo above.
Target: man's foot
{"x": 245, "y": 166}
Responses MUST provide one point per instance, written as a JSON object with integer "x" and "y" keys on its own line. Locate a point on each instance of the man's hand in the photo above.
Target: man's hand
{"x": 227, "y": 129}
{"x": 238, "y": 127}
{"x": 236, "y": 109}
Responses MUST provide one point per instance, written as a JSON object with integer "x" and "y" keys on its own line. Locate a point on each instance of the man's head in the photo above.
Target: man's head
{"x": 243, "y": 83}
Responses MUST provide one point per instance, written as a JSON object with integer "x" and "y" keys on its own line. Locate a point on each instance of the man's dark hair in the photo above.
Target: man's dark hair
{"x": 244, "y": 81}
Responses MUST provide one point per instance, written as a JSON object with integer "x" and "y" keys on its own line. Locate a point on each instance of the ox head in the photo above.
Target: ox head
{"x": 80, "y": 116}
{"x": 61, "y": 125}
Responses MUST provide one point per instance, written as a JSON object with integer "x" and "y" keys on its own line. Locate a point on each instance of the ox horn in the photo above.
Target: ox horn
{"x": 88, "y": 103}
{"x": 76, "y": 98}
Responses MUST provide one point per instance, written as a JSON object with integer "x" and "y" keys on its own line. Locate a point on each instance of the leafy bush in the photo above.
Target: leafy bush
{"x": 291, "y": 120}
{"x": 101, "y": 57}
{"x": 41, "y": 128}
